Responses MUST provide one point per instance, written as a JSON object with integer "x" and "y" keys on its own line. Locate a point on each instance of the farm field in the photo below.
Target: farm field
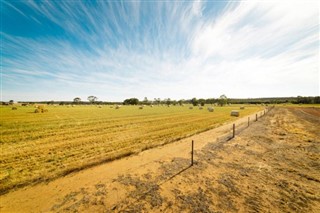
{"x": 270, "y": 166}
{"x": 37, "y": 147}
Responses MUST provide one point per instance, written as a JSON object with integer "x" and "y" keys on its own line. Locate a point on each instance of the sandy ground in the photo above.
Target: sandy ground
{"x": 271, "y": 166}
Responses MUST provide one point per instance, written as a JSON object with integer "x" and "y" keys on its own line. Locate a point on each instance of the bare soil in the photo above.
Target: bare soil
{"x": 271, "y": 166}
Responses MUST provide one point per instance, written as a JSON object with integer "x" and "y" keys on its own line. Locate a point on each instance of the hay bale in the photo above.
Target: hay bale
{"x": 191, "y": 107}
{"x": 235, "y": 113}
{"x": 118, "y": 106}
{"x": 210, "y": 109}
{"x": 151, "y": 105}
{"x": 111, "y": 106}
{"x": 242, "y": 107}
{"x": 140, "y": 107}
{"x": 200, "y": 108}
{"x": 100, "y": 106}
{"x": 14, "y": 108}
{"x": 40, "y": 108}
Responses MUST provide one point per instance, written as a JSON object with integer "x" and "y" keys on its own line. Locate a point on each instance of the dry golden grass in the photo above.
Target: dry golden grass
{"x": 43, "y": 146}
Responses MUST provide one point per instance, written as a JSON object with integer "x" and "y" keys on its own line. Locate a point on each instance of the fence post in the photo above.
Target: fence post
{"x": 256, "y": 117}
{"x": 248, "y": 121}
{"x": 234, "y": 130}
{"x": 192, "y": 153}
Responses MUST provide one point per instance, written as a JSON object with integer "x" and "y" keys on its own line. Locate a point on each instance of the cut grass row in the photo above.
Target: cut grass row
{"x": 37, "y": 147}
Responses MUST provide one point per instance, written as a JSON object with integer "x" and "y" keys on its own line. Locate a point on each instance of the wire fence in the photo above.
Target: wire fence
{"x": 236, "y": 128}
{"x": 231, "y": 133}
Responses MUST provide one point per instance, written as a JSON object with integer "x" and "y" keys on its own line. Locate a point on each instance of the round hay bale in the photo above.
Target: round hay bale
{"x": 235, "y": 113}
{"x": 14, "y": 108}
{"x": 118, "y": 107}
{"x": 210, "y": 109}
{"x": 140, "y": 107}
{"x": 37, "y": 110}
{"x": 191, "y": 107}
{"x": 200, "y": 108}
{"x": 242, "y": 107}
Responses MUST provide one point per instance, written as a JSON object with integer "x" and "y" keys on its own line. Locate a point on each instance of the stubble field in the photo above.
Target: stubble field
{"x": 41, "y": 146}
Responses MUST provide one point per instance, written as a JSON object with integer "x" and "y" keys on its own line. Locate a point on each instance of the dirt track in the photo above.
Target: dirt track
{"x": 272, "y": 166}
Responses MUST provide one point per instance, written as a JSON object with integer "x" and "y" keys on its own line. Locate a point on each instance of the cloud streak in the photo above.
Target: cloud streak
{"x": 117, "y": 50}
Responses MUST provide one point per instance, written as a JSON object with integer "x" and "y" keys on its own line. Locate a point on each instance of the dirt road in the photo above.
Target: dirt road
{"x": 272, "y": 166}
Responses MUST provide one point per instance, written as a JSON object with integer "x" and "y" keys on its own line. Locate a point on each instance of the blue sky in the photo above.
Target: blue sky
{"x": 58, "y": 50}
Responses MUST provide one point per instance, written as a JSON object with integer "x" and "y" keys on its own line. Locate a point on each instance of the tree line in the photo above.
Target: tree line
{"x": 222, "y": 100}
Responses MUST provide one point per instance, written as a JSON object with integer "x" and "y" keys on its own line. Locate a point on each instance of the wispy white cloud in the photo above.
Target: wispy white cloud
{"x": 166, "y": 49}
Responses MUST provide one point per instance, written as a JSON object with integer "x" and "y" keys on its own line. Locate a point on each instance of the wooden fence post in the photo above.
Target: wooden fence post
{"x": 248, "y": 121}
{"x": 256, "y": 117}
{"x": 192, "y": 153}
{"x": 234, "y": 130}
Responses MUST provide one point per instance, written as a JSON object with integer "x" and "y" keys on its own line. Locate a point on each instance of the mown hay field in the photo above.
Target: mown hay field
{"x": 41, "y": 146}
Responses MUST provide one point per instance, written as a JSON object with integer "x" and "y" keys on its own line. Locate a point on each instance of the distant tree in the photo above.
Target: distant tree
{"x": 202, "y": 102}
{"x": 131, "y": 101}
{"x": 145, "y": 100}
{"x": 210, "y": 101}
{"x": 223, "y": 100}
{"x": 181, "y": 101}
{"x": 77, "y": 100}
{"x": 194, "y": 101}
{"x": 168, "y": 101}
{"x": 92, "y": 99}
{"x": 11, "y": 102}
{"x": 157, "y": 101}
{"x": 50, "y": 102}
